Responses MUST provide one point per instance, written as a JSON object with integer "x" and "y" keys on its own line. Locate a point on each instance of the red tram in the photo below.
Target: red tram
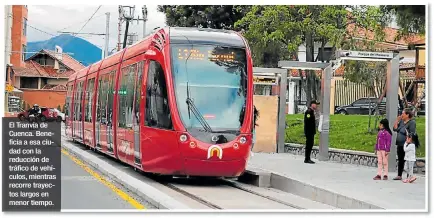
{"x": 179, "y": 102}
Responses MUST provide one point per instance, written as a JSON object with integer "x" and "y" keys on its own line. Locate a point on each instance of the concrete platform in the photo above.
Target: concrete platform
{"x": 152, "y": 195}
{"x": 339, "y": 185}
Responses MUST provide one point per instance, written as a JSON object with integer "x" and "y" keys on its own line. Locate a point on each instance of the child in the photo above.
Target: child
{"x": 382, "y": 148}
{"x": 410, "y": 156}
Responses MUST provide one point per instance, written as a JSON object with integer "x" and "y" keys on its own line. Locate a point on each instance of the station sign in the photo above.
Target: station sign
{"x": 264, "y": 80}
{"x": 366, "y": 54}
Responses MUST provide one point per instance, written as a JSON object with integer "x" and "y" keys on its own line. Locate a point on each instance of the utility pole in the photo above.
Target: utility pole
{"x": 120, "y": 27}
{"x": 145, "y": 18}
{"x": 107, "y": 34}
{"x": 126, "y": 33}
{"x": 126, "y": 13}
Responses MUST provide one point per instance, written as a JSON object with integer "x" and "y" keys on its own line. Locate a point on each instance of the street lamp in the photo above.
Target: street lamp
{"x": 128, "y": 14}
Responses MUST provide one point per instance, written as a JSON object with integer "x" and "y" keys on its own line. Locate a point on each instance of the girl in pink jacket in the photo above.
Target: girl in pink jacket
{"x": 382, "y": 148}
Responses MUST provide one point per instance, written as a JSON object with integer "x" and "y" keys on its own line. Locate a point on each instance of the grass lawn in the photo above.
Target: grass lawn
{"x": 348, "y": 132}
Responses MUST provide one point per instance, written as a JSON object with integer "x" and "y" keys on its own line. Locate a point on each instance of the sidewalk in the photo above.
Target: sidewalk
{"x": 348, "y": 180}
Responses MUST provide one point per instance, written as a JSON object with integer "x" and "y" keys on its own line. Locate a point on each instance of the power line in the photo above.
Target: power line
{"x": 40, "y": 30}
{"x": 84, "y": 24}
{"x": 96, "y": 34}
{"x": 79, "y": 23}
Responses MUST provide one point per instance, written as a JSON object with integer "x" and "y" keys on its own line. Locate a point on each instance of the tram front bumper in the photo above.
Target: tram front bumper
{"x": 214, "y": 168}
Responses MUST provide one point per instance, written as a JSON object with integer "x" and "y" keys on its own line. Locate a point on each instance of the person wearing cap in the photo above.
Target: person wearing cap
{"x": 310, "y": 130}
{"x": 35, "y": 110}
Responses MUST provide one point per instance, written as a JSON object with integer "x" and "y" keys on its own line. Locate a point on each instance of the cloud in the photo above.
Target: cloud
{"x": 71, "y": 18}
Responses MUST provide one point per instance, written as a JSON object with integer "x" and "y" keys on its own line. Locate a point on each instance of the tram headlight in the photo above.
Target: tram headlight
{"x": 183, "y": 138}
{"x": 243, "y": 140}
{"x": 192, "y": 144}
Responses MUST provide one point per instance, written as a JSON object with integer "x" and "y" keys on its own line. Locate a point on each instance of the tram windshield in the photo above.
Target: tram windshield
{"x": 210, "y": 86}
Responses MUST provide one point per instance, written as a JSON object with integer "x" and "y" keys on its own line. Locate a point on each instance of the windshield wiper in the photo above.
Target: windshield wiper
{"x": 228, "y": 131}
{"x": 192, "y": 107}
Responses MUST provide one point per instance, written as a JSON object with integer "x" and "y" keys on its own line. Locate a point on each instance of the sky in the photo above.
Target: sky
{"x": 50, "y": 19}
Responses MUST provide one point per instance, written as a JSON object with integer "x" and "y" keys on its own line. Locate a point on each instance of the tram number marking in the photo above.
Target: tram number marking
{"x": 215, "y": 151}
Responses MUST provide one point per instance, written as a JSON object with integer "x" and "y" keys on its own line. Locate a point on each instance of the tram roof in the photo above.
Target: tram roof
{"x": 204, "y": 36}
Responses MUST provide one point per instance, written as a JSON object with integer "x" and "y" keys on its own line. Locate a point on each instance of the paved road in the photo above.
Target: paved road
{"x": 85, "y": 188}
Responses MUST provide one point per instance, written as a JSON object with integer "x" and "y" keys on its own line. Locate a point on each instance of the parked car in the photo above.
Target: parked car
{"x": 47, "y": 114}
{"x": 422, "y": 108}
{"x": 362, "y": 106}
{"x": 60, "y": 114}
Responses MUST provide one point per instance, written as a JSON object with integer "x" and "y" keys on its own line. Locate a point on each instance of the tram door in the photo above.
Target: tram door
{"x": 137, "y": 112}
{"x": 126, "y": 132}
{"x": 103, "y": 123}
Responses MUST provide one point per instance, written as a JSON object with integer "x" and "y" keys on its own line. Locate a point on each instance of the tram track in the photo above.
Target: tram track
{"x": 211, "y": 193}
{"x": 197, "y": 190}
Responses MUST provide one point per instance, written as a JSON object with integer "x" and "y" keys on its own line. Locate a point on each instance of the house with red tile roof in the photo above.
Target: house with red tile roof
{"x": 45, "y": 70}
{"x": 43, "y": 77}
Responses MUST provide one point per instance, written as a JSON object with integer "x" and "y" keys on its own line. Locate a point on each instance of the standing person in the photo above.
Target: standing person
{"x": 255, "y": 124}
{"x": 410, "y": 146}
{"x": 310, "y": 130}
{"x": 403, "y": 124}
{"x": 382, "y": 148}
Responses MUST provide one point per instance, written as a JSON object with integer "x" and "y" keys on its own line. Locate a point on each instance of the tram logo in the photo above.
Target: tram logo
{"x": 215, "y": 150}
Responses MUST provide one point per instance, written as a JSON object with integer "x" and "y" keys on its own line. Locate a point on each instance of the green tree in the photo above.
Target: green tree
{"x": 223, "y": 17}
{"x": 205, "y": 16}
{"x": 293, "y": 26}
{"x": 409, "y": 18}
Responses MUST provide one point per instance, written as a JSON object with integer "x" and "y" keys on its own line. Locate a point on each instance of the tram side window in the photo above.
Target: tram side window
{"x": 138, "y": 93}
{"x": 122, "y": 97}
{"x": 80, "y": 99}
{"x": 77, "y": 102}
{"x": 157, "y": 102}
{"x": 98, "y": 102}
{"x": 89, "y": 93}
{"x": 129, "y": 101}
{"x": 126, "y": 97}
{"x": 111, "y": 89}
{"x": 68, "y": 101}
{"x": 103, "y": 98}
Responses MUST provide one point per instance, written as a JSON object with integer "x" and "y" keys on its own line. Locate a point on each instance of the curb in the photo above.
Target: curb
{"x": 150, "y": 194}
{"x": 313, "y": 193}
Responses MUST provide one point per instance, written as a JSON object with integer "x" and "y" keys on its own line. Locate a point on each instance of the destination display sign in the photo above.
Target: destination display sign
{"x": 264, "y": 80}
{"x": 202, "y": 54}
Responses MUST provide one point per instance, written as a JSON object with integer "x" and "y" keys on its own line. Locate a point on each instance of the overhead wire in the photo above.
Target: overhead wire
{"x": 83, "y": 25}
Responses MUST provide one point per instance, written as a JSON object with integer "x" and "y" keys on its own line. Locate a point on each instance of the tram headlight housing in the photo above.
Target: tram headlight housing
{"x": 236, "y": 146}
{"x": 243, "y": 140}
{"x": 183, "y": 138}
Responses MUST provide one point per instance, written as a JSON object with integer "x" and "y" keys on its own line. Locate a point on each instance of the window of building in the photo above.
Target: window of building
{"x": 23, "y": 56}
{"x": 157, "y": 102}
{"x": 28, "y": 83}
{"x": 25, "y": 26}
